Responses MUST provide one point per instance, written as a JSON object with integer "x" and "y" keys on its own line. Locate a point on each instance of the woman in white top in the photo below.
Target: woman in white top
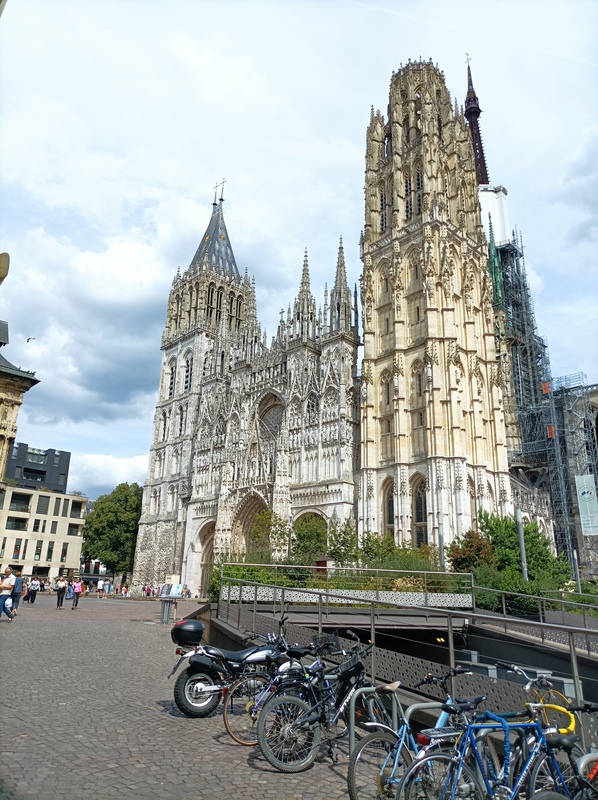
{"x": 61, "y": 585}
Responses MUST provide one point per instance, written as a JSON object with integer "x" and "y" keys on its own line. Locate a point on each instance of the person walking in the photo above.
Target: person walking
{"x": 61, "y": 585}
{"x": 33, "y": 589}
{"x": 100, "y": 588}
{"x": 106, "y": 587}
{"x": 6, "y": 588}
{"x": 17, "y": 592}
{"x": 77, "y": 591}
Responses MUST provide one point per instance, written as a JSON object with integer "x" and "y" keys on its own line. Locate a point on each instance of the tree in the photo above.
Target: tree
{"x": 110, "y": 532}
{"x": 471, "y": 551}
{"x": 309, "y": 539}
{"x": 268, "y": 537}
{"x": 342, "y": 543}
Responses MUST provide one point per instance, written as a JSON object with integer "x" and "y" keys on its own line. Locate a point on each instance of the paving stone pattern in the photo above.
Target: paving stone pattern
{"x": 87, "y": 712}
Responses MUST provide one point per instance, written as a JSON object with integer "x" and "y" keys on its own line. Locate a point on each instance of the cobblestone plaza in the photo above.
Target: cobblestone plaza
{"x": 87, "y": 712}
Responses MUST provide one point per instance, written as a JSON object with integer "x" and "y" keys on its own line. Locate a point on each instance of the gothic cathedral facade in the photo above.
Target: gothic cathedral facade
{"x": 414, "y": 445}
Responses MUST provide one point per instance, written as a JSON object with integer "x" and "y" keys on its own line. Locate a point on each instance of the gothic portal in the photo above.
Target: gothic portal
{"x": 415, "y": 445}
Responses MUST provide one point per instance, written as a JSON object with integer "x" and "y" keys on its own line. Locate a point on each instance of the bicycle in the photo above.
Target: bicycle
{"x": 290, "y": 728}
{"x": 463, "y": 773}
{"x": 248, "y": 695}
{"x": 377, "y": 764}
{"x": 579, "y": 778}
{"x": 540, "y": 690}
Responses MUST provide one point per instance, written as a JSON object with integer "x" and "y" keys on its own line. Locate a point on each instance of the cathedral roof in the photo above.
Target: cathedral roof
{"x": 215, "y": 248}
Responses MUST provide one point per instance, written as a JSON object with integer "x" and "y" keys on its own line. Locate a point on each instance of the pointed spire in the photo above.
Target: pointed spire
{"x": 215, "y": 248}
{"x": 472, "y": 113}
{"x": 305, "y": 288}
{"x": 340, "y": 280}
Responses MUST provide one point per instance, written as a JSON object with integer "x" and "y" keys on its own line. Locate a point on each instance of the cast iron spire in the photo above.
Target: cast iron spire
{"x": 472, "y": 112}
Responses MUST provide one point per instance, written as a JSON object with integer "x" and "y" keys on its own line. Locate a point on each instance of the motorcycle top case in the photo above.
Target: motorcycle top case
{"x": 187, "y": 632}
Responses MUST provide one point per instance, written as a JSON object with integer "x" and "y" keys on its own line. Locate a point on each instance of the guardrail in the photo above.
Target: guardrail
{"x": 386, "y": 665}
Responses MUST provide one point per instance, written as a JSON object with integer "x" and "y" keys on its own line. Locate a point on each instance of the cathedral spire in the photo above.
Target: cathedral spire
{"x": 305, "y": 288}
{"x": 215, "y": 249}
{"x": 340, "y": 281}
{"x": 472, "y": 113}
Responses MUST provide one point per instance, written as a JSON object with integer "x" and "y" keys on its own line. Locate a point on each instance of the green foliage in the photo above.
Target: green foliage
{"x": 502, "y": 534}
{"x": 110, "y": 531}
{"x": 342, "y": 543}
{"x": 375, "y": 549}
{"x": 268, "y": 535}
{"x": 471, "y": 551}
{"x": 309, "y": 539}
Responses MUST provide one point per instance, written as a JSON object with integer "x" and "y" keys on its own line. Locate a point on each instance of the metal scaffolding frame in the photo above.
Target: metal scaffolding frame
{"x": 554, "y": 417}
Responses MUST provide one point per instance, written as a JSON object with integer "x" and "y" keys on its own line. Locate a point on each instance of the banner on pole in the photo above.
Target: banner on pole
{"x": 585, "y": 486}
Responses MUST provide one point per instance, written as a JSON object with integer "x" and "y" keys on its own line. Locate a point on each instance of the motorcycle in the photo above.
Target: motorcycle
{"x": 211, "y": 670}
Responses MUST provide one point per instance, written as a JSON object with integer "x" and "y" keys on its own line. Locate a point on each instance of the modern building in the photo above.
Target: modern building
{"x": 41, "y": 531}
{"x": 38, "y": 469}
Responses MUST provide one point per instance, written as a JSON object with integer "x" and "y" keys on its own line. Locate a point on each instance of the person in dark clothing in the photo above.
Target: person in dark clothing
{"x": 17, "y": 592}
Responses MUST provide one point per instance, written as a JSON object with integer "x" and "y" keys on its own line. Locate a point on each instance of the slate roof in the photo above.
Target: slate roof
{"x": 215, "y": 246}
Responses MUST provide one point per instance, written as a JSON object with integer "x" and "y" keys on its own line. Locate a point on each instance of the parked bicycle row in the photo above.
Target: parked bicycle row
{"x": 292, "y": 702}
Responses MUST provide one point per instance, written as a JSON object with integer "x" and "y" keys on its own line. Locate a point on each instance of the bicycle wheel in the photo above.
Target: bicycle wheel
{"x": 439, "y": 777}
{"x": 376, "y": 766}
{"x": 544, "y": 777}
{"x": 548, "y": 796}
{"x": 286, "y": 741}
{"x": 242, "y": 707}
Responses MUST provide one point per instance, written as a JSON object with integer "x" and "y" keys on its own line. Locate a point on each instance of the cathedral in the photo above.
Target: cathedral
{"x": 387, "y": 408}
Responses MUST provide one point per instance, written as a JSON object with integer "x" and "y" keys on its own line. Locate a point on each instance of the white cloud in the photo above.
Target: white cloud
{"x": 111, "y": 141}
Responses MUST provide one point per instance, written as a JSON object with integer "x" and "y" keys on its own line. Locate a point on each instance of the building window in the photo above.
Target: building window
{"x": 57, "y": 507}
{"x": 65, "y": 548}
{"x": 2, "y": 498}
{"x": 386, "y": 443}
{"x": 76, "y": 509}
{"x": 16, "y": 553}
{"x": 20, "y": 502}
{"x": 3, "y": 548}
{"x": 172, "y": 380}
{"x": 65, "y": 507}
{"x": 73, "y": 530}
{"x": 420, "y": 514}
{"x": 38, "y": 550}
{"x": 383, "y": 218}
{"x": 43, "y": 504}
{"x": 25, "y": 549}
{"x": 389, "y": 508}
{"x": 188, "y": 374}
{"x": 53, "y": 527}
{"x": 50, "y": 551}
{"x": 16, "y": 524}
{"x": 36, "y": 526}
{"x": 181, "y": 421}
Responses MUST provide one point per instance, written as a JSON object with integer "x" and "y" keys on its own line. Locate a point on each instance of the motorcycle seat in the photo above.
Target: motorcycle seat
{"x": 230, "y": 655}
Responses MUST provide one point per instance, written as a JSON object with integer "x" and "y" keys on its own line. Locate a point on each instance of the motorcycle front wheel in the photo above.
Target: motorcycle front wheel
{"x": 189, "y": 697}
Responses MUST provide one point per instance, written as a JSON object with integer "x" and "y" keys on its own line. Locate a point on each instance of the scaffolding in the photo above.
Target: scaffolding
{"x": 556, "y": 437}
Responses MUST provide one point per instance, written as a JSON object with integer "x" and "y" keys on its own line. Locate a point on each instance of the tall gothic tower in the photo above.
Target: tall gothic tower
{"x": 433, "y": 445}
{"x": 243, "y": 425}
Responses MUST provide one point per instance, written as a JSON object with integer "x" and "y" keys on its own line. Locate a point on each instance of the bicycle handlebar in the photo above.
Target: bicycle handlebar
{"x": 538, "y": 706}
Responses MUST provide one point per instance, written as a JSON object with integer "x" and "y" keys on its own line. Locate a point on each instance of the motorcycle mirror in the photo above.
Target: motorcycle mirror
{"x": 351, "y": 635}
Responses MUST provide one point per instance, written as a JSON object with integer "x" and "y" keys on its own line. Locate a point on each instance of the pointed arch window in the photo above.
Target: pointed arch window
{"x": 408, "y": 198}
{"x": 219, "y": 297}
{"x": 419, "y": 188}
{"x": 383, "y": 215}
{"x": 181, "y": 420}
{"x": 238, "y": 312}
{"x": 172, "y": 379}
{"x": 386, "y": 439}
{"x": 188, "y": 374}
{"x": 313, "y": 410}
{"x": 389, "y": 508}
{"x": 420, "y": 514}
{"x": 210, "y": 303}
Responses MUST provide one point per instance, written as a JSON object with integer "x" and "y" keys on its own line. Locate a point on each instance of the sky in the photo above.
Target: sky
{"x": 118, "y": 118}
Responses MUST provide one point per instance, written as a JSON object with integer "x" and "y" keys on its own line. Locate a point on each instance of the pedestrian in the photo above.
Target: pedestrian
{"x": 17, "y": 592}
{"x": 69, "y": 590}
{"x": 78, "y": 588}
{"x": 6, "y": 588}
{"x": 106, "y": 587}
{"x": 61, "y": 586}
{"x": 100, "y": 588}
{"x": 33, "y": 589}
